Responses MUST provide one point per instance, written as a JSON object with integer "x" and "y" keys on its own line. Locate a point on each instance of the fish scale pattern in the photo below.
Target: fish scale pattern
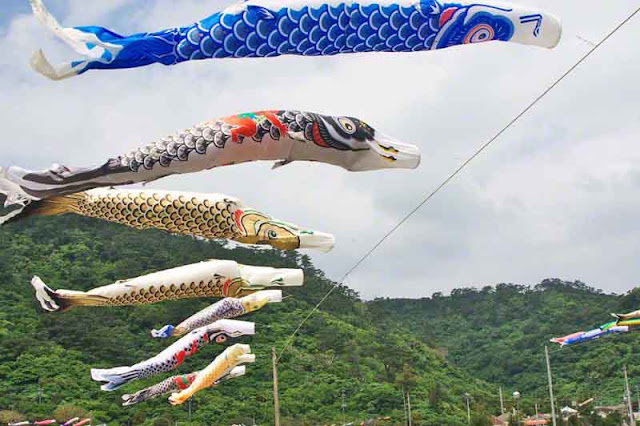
{"x": 311, "y": 31}
{"x": 175, "y": 291}
{"x": 225, "y": 308}
{"x": 167, "y": 360}
{"x": 175, "y": 214}
{"x": 168, "y": 385}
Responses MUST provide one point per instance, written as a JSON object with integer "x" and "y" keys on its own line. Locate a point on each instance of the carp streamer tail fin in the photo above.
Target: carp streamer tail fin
{"x": 16, "y": 204}
{"x": 115, "y": 377}
{"x": 90, "y": 42}
{"x": 49, "y": 207}
{"x": 163, "y": 333}
{"x": 134, "y": 398}
{"x": 63, "y": 300}
{"x": 49, "y": 299}
{"x": 13, "y": 200}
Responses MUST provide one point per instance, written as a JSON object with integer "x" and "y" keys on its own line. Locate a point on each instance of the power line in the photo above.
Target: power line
{"x": 453, "y": 175}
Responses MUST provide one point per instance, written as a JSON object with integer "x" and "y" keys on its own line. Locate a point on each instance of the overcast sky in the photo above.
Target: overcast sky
{"x": 555, "y": 196}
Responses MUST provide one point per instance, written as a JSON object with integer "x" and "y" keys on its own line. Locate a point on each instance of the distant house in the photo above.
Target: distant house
{"x": 605, "y": 410}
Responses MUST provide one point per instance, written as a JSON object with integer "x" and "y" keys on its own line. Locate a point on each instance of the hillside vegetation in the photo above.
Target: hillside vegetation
{"x": 498, "y": 334}
{"x": 45, "y": 358}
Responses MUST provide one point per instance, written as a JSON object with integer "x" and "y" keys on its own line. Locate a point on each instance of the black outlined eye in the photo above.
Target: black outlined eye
{"x": 272, "y": 234}
{"x": 347, "y": 125}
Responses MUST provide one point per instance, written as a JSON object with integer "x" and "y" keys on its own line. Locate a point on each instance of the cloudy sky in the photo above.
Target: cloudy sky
{"x": 555, "y": 196}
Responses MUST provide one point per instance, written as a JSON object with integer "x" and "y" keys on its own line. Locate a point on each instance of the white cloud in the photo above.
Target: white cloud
{"x": 554, "y": 196}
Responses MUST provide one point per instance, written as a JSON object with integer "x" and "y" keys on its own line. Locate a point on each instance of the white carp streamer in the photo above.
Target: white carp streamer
{"x": 211, "y": 278}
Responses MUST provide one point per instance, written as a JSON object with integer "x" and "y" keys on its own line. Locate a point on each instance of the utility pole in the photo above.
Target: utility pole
{"x": 276, "y": 402}
{"x": 501, "y": 401}
{"x": 553, "y": 408}
{"x": 39, "y": 390}
{"x": 190, "y": 410}
{"x": 638, "y": 395}
{"x": 409, "y": 407}
{"x": 632, "y": 421}
{"x": 466, "y": 395}
{"x": 404, "y": 406}
{"x": 344, "y": 408}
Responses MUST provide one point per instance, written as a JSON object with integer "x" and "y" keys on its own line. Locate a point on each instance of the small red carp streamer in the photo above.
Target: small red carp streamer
{"x": 175, "y": 383}
{"x": 225, "y": 362}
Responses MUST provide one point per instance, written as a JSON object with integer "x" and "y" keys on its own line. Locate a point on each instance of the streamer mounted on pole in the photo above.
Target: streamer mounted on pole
{"x": 263, "y": 28}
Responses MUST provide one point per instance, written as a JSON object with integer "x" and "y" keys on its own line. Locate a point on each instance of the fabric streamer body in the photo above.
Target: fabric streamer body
{"x": 226, "y": 308}
{"x": 212, "y": 278}
{"x": 71, "y": 421}
{"x": 265, "y": 28}
{"x": 45, "y": 422}
{"x": 175, "y": 383}
{"x": 561, "y": 340}
{"x": 635, "y": 322}
{"x": 82, "y": 422}
{"x": 225, "y": 362}
{"x": 20, "y": 423}
{"x": 586, "y": 336}
{"x": 211, "y": 216}
{"x": 630, "y": 315}
{"x": 174, "y": 355}
{"x": 283, "y": 136}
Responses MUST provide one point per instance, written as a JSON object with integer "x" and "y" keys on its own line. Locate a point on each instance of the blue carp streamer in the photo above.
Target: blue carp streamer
{"x": 264, "y": 28}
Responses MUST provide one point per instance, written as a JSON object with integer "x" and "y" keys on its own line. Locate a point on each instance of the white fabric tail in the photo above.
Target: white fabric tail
{"x": 43, "y": 294}
{"x": 78, "y": 40}
{"x": 41, "y": 65}
{"x": 13, "y": 195}
{"x": 70, "y": 36}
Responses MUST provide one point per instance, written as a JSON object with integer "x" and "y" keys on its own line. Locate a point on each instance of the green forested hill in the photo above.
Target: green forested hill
{"x": 498, "y": 334}
{"x": 342, "y": 348}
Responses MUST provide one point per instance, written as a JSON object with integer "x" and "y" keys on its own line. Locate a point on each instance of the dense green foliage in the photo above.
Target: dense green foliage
{"x": 498, "y": 334}
{"x": 340, "y": 349}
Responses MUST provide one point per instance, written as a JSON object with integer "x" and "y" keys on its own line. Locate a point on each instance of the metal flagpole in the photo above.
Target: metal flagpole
{"x": 501, "y": 401}
{"x": 276, "y": 402}
{"x": 553, "y": 408}
{"x": 632, "y": 421}
{"x": 409, "y": 407}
